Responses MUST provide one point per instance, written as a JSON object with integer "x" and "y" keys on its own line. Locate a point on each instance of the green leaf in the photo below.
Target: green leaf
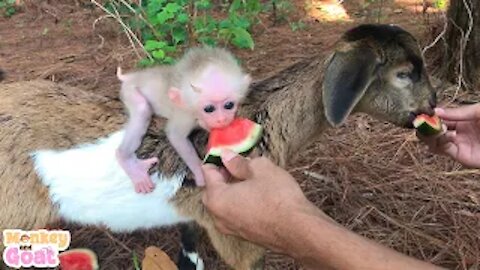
{"x": 236, "y": 5}
{"x": 440, "y": 4}
{"x": 253, "y": 6}
{"x": 241, "y": 21}
{"x": 205, "y": 24}
{"x": 152, "y": 18}
{"x": 168, "y": 60}
{"x": 179, "y": 34}
{"x": 206, "y": 40}
{"x": 147, "y": 35}
{"x": 203, "y": 4}
{"x": 183, "y": 18}
{"x": 225, "y": 24}
{"x": 164, "y": 29}
{"x": 154, "y": 6}
{"x": 169, "y": 49}
{"x": 158, "y": 54}
{"x": 152, "y": 45}
{"x": 145, "y": 62}
{"x": 198, "y": 24}
{"x": 10, "y": 11}
{"x": 136, "y": 264}
{"x": 172, "y": 7}
{"x": 211, "y": 24}
{"x": 164, "y": 16}
{"x": 225, "y": 33}
{"x": 242, "y": 39}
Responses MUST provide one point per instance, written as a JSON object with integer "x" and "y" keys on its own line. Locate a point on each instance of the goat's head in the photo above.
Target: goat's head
{"x": 377, "y": 69}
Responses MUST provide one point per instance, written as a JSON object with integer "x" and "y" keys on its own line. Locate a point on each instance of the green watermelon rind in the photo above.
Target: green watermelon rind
{"x": 243, "y": 148}
{"x": 426, "y": 129}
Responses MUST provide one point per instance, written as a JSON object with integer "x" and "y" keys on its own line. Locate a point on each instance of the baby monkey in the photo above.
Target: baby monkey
{"x": 204, "y": 88}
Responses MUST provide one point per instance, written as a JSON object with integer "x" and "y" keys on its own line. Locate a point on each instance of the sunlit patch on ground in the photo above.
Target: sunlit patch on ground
{"x": 329, "y": 11}
{"x": 423, "y": 6}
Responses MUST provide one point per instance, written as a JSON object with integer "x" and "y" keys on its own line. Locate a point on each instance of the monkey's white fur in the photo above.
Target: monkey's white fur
{"x": 89, "y": 187}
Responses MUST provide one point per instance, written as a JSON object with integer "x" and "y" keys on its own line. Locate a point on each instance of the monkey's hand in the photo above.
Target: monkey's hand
{"x": 137, "y": 170}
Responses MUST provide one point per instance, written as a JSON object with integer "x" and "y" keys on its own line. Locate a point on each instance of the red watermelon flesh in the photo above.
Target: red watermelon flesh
{"x": 240, "y": 136}
{"x": 78, "y": 259}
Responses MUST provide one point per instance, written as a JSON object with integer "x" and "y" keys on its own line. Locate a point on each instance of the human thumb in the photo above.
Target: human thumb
{"x": 212, "y": 175}
{"x": 237, "y": 165}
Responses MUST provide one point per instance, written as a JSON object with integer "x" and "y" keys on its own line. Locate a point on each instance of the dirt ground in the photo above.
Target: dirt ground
{"x": 373, "y": 178}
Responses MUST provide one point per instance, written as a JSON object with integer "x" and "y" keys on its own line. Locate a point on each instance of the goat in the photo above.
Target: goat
{"x": 375, "y": 69}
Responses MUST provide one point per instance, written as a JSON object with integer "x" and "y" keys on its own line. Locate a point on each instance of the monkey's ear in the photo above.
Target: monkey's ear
{"x": 348, "y": 75}
{"x": 176, "y": 97}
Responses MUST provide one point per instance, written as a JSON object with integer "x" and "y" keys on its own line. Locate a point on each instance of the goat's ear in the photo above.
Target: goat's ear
{"x": 348, "y": 75}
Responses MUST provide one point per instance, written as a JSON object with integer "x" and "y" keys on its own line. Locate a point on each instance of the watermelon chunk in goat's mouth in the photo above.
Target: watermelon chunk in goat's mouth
{"x": 428, "y": 125}
{"x": 240, "y": 136}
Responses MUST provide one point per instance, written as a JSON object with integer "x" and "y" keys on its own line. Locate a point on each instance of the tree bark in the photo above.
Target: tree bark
{"x": 463, "y": 40}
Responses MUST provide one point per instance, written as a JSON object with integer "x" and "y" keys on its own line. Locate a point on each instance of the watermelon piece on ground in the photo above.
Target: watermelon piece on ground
{"x": 240, "y": 136}
{"x": 78, "y": 259}
{"x": 428, "y": 125}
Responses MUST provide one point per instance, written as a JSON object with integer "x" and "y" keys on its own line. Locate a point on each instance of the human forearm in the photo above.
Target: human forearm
{"x": 317, "y": 242}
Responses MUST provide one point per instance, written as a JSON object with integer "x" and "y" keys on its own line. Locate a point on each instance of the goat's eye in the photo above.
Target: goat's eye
{"x": 403, "y": 75}
{"x": 209, "y": 108}
{"x": 229, "y": 105}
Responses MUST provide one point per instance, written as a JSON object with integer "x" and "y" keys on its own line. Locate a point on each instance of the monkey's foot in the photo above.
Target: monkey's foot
{"x": 137, "y": 170}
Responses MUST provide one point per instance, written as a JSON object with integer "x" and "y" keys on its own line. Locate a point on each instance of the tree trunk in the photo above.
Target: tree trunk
{"x": 463, "y": 40}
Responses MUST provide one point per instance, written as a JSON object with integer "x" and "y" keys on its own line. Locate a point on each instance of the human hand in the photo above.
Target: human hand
{"x": 258, "y": 207}
{"x": 461, "y": 139}
{"x": 267, "y": 207}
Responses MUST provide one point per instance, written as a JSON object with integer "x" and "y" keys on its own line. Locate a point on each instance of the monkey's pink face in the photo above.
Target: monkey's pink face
{"x": 216, "y": 112}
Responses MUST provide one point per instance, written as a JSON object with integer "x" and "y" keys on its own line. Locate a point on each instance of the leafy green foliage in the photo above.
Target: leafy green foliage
{"x": 166, "y": 27}
{"x": 440, "y": 4}
{"x": 7, "y": 7}
{"x": 136, "y": 262}
{"x": 281, "y": 10}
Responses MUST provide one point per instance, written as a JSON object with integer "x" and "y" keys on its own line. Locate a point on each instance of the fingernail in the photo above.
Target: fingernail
{"x": 228, "y": 155}
{"x": 209, "y": 166}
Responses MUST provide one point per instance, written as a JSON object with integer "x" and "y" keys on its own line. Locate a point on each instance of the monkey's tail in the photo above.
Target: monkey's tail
{"x": 122, "y": 77}
{"x": 2, "y": 75}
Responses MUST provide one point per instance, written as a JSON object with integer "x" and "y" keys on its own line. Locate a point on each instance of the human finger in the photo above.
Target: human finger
{"x": 237, "y": 165}
{"x": 464, "y": 113}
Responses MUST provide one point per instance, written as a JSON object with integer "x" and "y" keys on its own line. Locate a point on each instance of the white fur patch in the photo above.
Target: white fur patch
{"x": 90, "y": 187}
{"x": 195, "y": 259}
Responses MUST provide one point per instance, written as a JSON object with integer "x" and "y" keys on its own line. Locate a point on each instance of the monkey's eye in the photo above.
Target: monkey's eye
{"x": 209, "y": 109}
{"x": 229, "y": 105}
{"x": 403, "y": 75}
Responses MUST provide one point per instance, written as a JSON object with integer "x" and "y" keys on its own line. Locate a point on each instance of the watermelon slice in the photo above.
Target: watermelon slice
{"x": 427, "y": 125}
{"x": 78, "y": 259}
{"x": 240, "y": 136}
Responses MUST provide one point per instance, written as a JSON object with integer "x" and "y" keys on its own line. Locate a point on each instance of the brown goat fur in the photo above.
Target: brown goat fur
{"x": 291, "y": 106}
